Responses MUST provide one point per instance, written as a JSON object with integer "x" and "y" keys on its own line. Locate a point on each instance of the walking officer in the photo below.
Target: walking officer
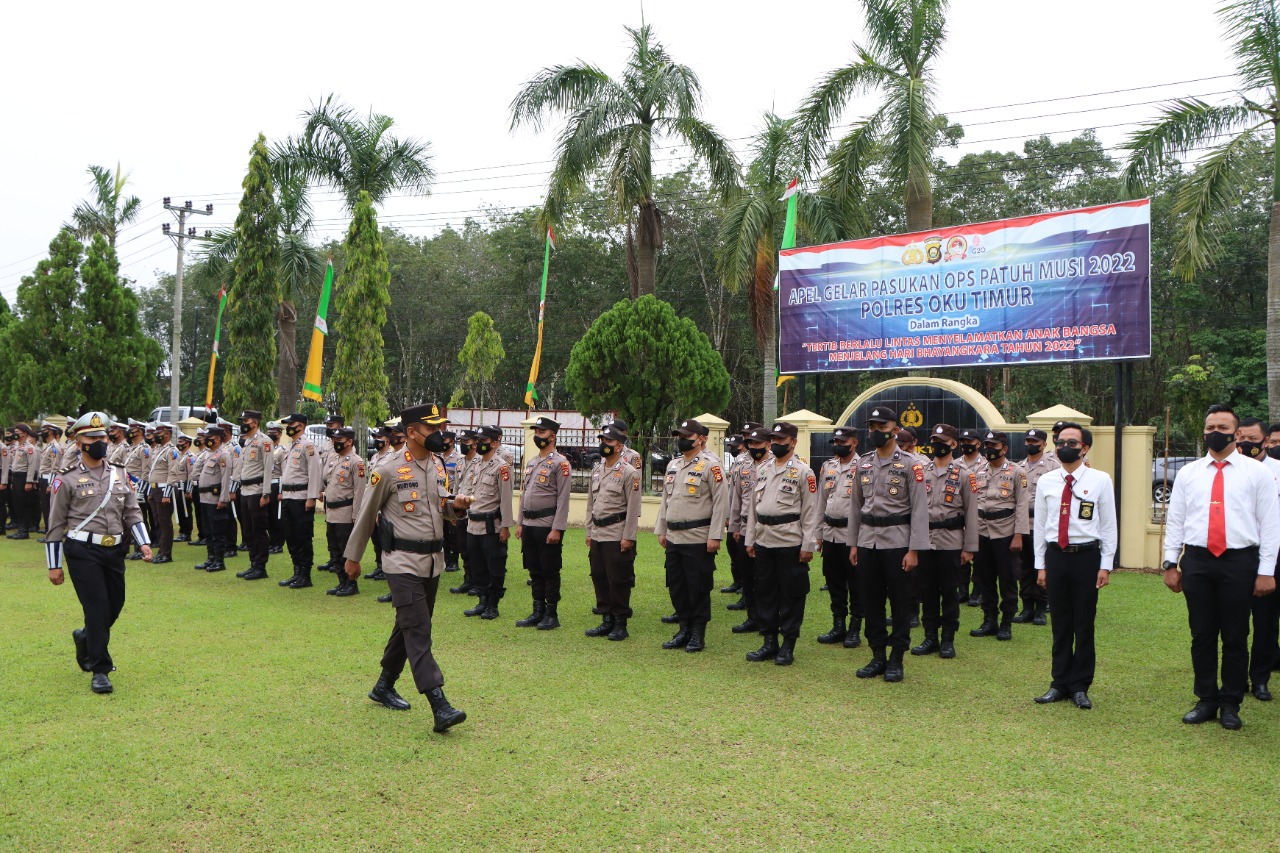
{"x": 835, "y": 491}
{"x": 254, "y": 493}
{"x": 300, "y": 485}
{"x": 1036, "y": 465}
{"x": 783, "y": 530}
{"x": 690, "y": 526}
{"x": 344, "y": 487}
{"x": 92, "y": 506}
{"x": 1002, "y": 497}
{"x": 489, "y": 521}
{"x": 888, "y": 527}
{"x": 213, "y": 491}
{"x": 162, "y": 481}
{"x": 613, "y": 514}
{"x": 953, "y": 540}
{"x": 544, "y": 515}
{"x": 409, "y": 500}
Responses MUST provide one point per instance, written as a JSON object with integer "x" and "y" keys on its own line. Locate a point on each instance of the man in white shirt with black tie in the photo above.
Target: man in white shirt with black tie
{"x": 1075, "y": 548}
{"x": 1224, "y": 510}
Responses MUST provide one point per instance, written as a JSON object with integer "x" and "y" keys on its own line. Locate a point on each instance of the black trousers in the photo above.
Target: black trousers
{"x": 197, "y": 511}
{"x": 162, "y": 527}
{"x": 414, "y": 599}
{"x": 1028, "y": 589}
{"x": 881, "y": 579}
{"x": 782, "y": 584}
{"x": 453, "y": 536}
{"x": 1071, "y": 585}
{"x": 24, "y": 502}
{"x": 45, "y": 497}
{"x": 691, "y": 572}
{"x": 376, "y": 538}
{"x": 1219, "y": 594}
{"x": 543, "y": 562}
{"x": 147, "y": 520}
{"x": 1263, "y": 657}
{"x": 613, "y": 574}
{"x": 966, "y": 580}
{"x": 487, "y": 560}
{"x": 336, "y": 534}
{"x": 742, "y": 568}
{"x": 97, "y": 574}
{"x": 473, "y": 573}
{"x": 275, "y": 526}
{"x": 842, "y": 580}
{"x": 253, "y": 522}
{"x": 216, "y": 522}
{"x": 299, "y": 528}
{"x": 994, "y": 563}
{"x": 183, "y": 509}
{"x": 937, "y": 577}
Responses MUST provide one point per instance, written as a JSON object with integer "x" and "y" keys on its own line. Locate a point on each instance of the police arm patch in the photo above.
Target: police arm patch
{"x": 360, "y": 469}
{"x": 506, "y": 473}
{"x": 919, "y": 471}
{"x": 53, "y": 487}
{"x": 717, "y": 473}
{"x": 813, "y": 484}
{"x": 565, "y": 469}
{"x": 973, "y": 483}
{"x": 311, "y": 450}
{"x": 638, "y": 462}
{"x": 375, "y": 479}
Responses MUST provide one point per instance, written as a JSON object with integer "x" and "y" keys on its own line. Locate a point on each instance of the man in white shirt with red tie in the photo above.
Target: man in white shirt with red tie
{"x": 1223, "y": 510}
{"x": 1075, "y": 548}
{"x": 1250, "y": 441}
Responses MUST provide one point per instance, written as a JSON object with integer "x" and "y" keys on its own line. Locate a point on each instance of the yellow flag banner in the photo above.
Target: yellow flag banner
{"x": 311, "y": 387}
{"x": 530, "y": 391}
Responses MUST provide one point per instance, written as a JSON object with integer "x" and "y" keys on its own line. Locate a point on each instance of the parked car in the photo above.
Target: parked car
{"x": 162, "y": 414}
{"x": 1160, "y": 488}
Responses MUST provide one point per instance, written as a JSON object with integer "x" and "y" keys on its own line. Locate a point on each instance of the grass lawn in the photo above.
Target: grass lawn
{"x": 240, "y": 721}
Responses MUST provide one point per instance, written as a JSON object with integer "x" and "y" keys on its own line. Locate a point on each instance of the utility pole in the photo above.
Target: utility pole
{"x": 175, "y": 353}
{"x": 195, "y": 336}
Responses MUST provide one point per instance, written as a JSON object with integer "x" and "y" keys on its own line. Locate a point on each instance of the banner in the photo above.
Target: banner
{"x": 311, "y": 386}
{"x": 217, "y": 334}
{"x": 1069, "y": 286}
{"x": 531, "y": 390}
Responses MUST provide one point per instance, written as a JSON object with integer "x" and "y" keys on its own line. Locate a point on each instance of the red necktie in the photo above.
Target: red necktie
{"x": 1217, "y": 514}
{"x": 1064, "y": 519}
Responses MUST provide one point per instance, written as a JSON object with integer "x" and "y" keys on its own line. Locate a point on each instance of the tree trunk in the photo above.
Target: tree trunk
{"x": 919, "y": 200}
{"x": 1273, "y": 305}
{"x": 633, "y": 280}
{"x": 769, "y": 407}
{"x": 648, "y": 242}
{"x": 287, "y": 359}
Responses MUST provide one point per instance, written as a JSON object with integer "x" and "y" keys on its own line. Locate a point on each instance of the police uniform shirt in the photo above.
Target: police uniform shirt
{"x": 630, "y": 457}
{"x": 164, "y": 473}
{"x": 4, "y": 464}
{"x": 77, "y": 492}
{"x": 1033, "y": 471}
{"x": 693, "y": 490}
{"x": 412, "y": 496}
{"x": 885, "y": 487}
{"x": 489, "y": 484}
{"x": 1249, "y": 492}
{"x": 976, "y": 466}
{"x": 117, "y": 452}
{"x": 1000, "y": 489}
{"x": 615, "y": 490}
{"x": 195, "y": 466}
{"x": 70, "y": 454}
{"x": 277, "y": 462}
{"x": 742, "y": 480}
{"x": 25, "y": 461}
{"x": 183, "y": 467}
{"x": 301, "y": 468}
{"x": 784, "y": 490}
{"x": 546, "y": 484}
{"x": 953, "y": 493}
{"x": 461, "y": 475}
{"x": 344, "y": 480}
{"x": 451, "y": 463}
{"x": 256, "y": 463}
{"x": 136, "y": 461}
{"x": 215, "y": 477}
{"x": 1091, "y": 517}
{"x": 50, "y": 459}
{"x": 835, "y": 491}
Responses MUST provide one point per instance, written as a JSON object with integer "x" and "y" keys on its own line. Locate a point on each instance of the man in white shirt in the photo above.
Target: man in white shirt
{"x": 1075, "y": 547}
{"x": 1223, "y": 510}
{"x": 1250, "y": 441}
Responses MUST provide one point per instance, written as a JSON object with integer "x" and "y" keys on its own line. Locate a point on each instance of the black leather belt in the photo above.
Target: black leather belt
{"x": 545, "y": 512}
{"x": 773, "y": 520}
{"x": 606, "y": 520}
{"x": 293, "y": 487}
{"x": 886, "y": 520}
{"x": 1073, "y": 549}
{"x": 835, "y": 522}
{"x": 688, "y": 525}
{"x": 339, "y": 504}
{"x": 252, "y": 481}
{"x": 195, "y": 490}
{"x": 431, "y": 546}
{"x": 484, "y": 516}
{"x": 955, "y": 522}
{"x": 995, "y": 514}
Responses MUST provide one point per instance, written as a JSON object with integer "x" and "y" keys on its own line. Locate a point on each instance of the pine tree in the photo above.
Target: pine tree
{"x": 119, "y": 362}
{"x": 250, "y": 381}
{"x": 359, "y": 379}
{"x": 45, "y": 368}
{"x": 480, "y": 356}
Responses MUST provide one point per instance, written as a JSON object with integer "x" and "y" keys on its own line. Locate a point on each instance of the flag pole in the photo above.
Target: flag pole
{"x": 217, "y": 334}
{"x": 531, "y": 392}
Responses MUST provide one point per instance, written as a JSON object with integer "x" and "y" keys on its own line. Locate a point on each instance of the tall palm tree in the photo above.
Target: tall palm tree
{"x": 904, "y": 37}
{"x": 109, "y": 210}
{"x": 612, "y": 125}
{"x": 1217, "y": 183}
{"x": 751, "y": 231}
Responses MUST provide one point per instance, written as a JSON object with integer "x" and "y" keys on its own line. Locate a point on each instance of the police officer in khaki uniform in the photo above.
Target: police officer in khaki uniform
{"x": 467, "y": 448}
{"x": 888, "y": 527}
{"x": 181, "y": 504}
{"x": 254, "y": 492}
{"x": 835, "y": 491}
{"x": 6, "y": 512}
{"x": 300, "y": 484}
{"x": 1036, "y": 465}
{"x": 489, "y": 520}
{"x": 953, "y": 540}
{"x": 275, "y": 527}
{"x": 409, "y": 500}
{"x": 213, "y": 491}
{"x": 1002, "y": 493}
{"x": 344, "y": 487}
{"x": 93, "y": 505}
{"x": 783, "y": 534}
{"x": 162, "y": 481}
{"x": 24, "y": 475}
{"x": 137, "y": 461}
{"x": 690, "y": 526}
{"x": 741, "y": 474}
{"x": 200, "y": 452}
{"x": 544, "y": 516}
{"x": 970, "y": 461}
{"x": 50, "y": 462}
{"x": 453, "y": 540}
{"x": 613, "y": 515}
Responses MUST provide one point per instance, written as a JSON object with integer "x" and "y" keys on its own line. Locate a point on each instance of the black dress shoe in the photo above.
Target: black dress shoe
{"x": 376, "y": 575}
{"x": 276, "y": 549}
{"x": 100, "y": 683}
{"x": 136, "y": 555}
{"x": 451, "y": 567}
{"x": 199, "y": 542}
{"x": 385, "y": 695}
{"x": 1261, "y": 692}
{"x": 155, "y": 561}
{"x": 740, "y": 604}
{"x": 238, "y": 574}
{"x": 384, "y": 599}
{"x": 975, "y": 600}
{"x": 1082, "y": 700}
{"x": 1203, "y": 712}
{"x": 731, "y": 588}
{"x": 82, "y": 649}
{"x": 461, "y": 589}
{"x": 1053, "y": 694}
{"x": 219, "y": 566}
{"x": 1231, "y": 717}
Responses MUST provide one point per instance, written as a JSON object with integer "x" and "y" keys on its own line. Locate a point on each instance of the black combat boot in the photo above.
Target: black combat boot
{"x": 1024, "y": 615}
{"x": 740, "y": 604}
{"x": 947, "y": 648}
{"x": 836, "y": 634}
{"x": 986, "y": 629}
{"x": 853, "y": 638}
{"x": 478, "y": 608}
{"x": 619, "y": 631}
{"x": 461, "y": 589}
{"x": 349, "y": 589}
{"x": 304, "y": 578}
{"x": 491, "y": 609}
{"x": 256, "y": 573}
{"x": 532, "y": 620}
{"x": 342, "y": 585}
{"x": 893, "y": 671}
{"x": 1005, "y": 631}
{"x": 603, "y": 629}
{"x": 928, "y": 646}
{"x": 769, "y": 649}
{"x": 550, "y": 621}
{"x": 681, "y": 639}
{"x": 289, "y": 580}
{"x": 671, "y": 620}
{"x": 384, "y": 599}
{"x": 697, "y": 637}
{"x": 384, "y": 693}
{"x": 876, "y": 666}
{"x": 1040, "y": 615}
{"x": 445, "y": 714}
{"x": 787, "y": 652}
{"x": 216, "y": 565}
{"x": 750, "y": 626}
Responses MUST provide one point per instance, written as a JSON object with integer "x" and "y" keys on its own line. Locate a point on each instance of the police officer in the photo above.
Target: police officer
{"x": 332, "y": 421}
{"x": 613, "y": 515}
{"x": 117, "y": 445}
{"x": 741, "y": 473}
{"x": 235, "y": 530}
{"x": 344, "y": 488}
{"x": 200, "y": 453}
{"x": 835, "y": 491}
{"x": 1002, "y": 496}
{"x": 137, "y": 462}
{"x": 300, "y": 484}
{"x": 409, "y": 499}
{"x": 783, "y": 530}
{"x": 24, "y": 475}
{"x": 213, "y": 491}
{"x": 544, "y": 515}
{"x": 92, "y": 506}
{"x": 467, "y": 449}
{"x": 690, "y": 526}
{"x": 1036, "y": 465}
{"x": 275, "y": 527}
{"x": 6, "y": 442}
{"x": 970, "y": 461}
{"x": 50, "y": 462}
{"x": 382, "y": 449}
{"x": 888, "y": 527}
{"x": 163, "y": 478}
{"x": 453, "y": 538}
{"x": 489, "y": 521}
{"x": 254, "y": 492}
{"x": 953, "y": 540}
{"x": 181, "y": 504}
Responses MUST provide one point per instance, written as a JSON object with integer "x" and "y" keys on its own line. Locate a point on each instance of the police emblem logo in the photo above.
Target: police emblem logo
{"x": 95, "y": 421}
{"x": 1086, "y": 510}
{"x": 893, "y": 490}
{"x": 912, "y": 416}
{"x": 375, "y": 479}
{"x": 408, "y": 507}
{"x": 108, "y": 541}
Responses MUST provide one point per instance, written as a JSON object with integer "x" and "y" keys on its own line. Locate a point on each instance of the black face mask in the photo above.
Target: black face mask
{"x": 241, "y": 440}
{"x": 1274, "y": 452}
{"x": 294, "y": 431}
{"x": 606, "y": 450}
{"x": 96, "y": 450}
{"x": 992, "y": 453}
{"x": 1069, "y": 455}
{"x": 339, "y": 446}
{"x": 447, "y": 449}
{"x": 483, "y": 447}
{"x": 1252, "y": 449}
{"x": 434, "y": 442}
{"x": 779, "y": 450}
{"x": 941, "y": 450}
{"x": 842, "y": 451}
{"x": 1035, "y": 449}
{"x": 757, "y": 453}
{"x": 1218, "y": 441}
{"x": 379, "y": 443}
{"x": 540, "y": 441}
{"x": 969, "y": 449}
{"x": 467, "y": 448}
{"x": 684, "y": 445}
{"x": 880, "y": 439}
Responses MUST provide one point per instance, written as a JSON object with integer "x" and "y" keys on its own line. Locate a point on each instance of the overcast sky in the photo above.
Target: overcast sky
{"x": 177, "y": 92}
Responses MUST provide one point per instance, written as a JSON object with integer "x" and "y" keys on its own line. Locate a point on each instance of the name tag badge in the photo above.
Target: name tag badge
{"x": 1086, "y": 510}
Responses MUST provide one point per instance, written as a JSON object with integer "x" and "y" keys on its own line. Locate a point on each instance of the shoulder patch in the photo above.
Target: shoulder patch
{"x": 919, "y": 471}
{"x": 266, "y": 445}
{"x": 638, "y": 462}
{"x": 813, "y": 484}
{"x": 53, "y": 487}
{"x": 565, "y": 470}
{"x": 360, "y": 469}
{"x": 222, "y": 460}
{"x": 146, "y": 452}
{"x": 506, "y": 472}
{"x": 973, "y": 482}
{"x": 1024, "y": 481}
{"x": 175, "y": 453}
{"x": 311, "y": 450}
{"x": 717, "y": 473}
{"x": 408, "y": 457}
{"x": 375, "y": 479}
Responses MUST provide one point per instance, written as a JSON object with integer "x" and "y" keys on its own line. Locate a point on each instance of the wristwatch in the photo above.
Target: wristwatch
{"x": 1169, "y": 564}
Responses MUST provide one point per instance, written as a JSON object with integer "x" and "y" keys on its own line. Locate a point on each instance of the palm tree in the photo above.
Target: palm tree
{"x": 109, "y": 210}
{"x": 1217, "y": 183}
{"x": 904, "y": 37}
{"x": 752, "y": 229}
{"x": 612, "y": 125}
